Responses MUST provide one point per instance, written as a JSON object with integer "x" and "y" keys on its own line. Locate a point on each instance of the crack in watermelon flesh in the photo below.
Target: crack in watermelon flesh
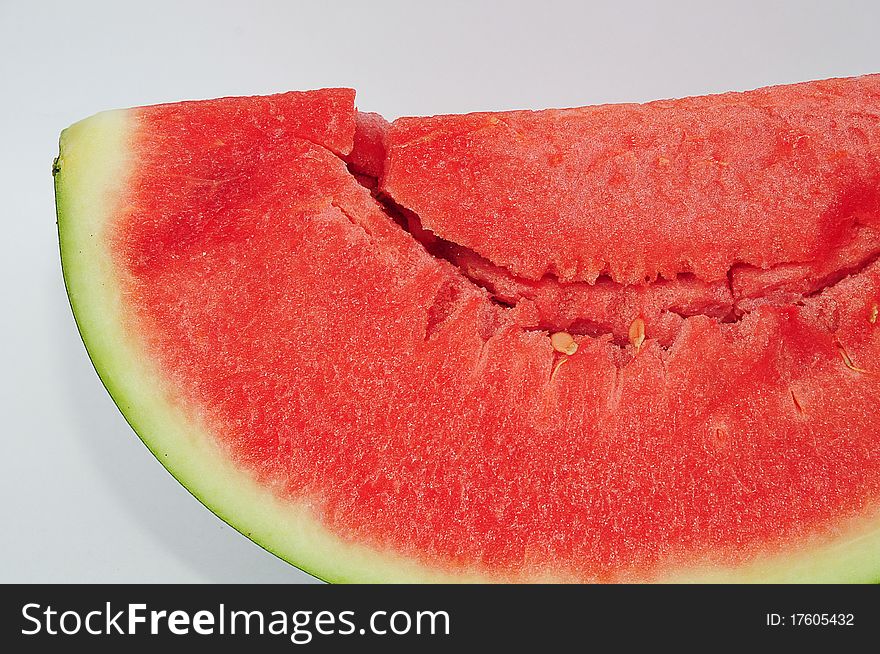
{"x": 606, "y": 307}
{"x": 402, "y": 379}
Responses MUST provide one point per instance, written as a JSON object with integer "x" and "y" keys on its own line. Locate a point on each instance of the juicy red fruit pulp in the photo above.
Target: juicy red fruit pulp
{"x": 343, "y": 365}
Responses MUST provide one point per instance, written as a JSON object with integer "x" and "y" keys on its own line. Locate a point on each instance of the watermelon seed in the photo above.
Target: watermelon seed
{"x": 563, "y": 342}
{"x": 797, "y": 402}
{"x": 847, "y": 361}
{"x": 872, "y": 317}
{"x": 637, "y": 333}
{"x": 719, "y": 439}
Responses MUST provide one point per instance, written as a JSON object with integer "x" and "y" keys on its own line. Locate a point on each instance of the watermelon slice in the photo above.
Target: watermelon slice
{"x": 615, "y": 343}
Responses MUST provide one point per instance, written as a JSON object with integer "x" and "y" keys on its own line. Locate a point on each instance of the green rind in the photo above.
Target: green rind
{"x": 91, "y": 173}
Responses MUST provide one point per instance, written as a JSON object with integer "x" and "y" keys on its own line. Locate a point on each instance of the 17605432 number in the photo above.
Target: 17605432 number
{"x": 822, "y": 619}
{"x": 811, "y": 620}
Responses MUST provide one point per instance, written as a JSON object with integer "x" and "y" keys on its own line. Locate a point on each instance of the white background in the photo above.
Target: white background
{"x": 82, "y": 498}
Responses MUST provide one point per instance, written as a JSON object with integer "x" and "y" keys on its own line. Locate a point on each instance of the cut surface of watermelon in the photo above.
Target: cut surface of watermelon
{"x": 342, "y": 335}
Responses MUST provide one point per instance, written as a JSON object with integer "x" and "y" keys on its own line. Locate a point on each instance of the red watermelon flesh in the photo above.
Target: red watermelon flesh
{"x": 367, "y": 157}
{"x": 767, "y": 177}
{"x": 385, "y": 358}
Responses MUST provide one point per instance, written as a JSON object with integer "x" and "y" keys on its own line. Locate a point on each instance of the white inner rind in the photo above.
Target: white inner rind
{"x": 95, "y": 165}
